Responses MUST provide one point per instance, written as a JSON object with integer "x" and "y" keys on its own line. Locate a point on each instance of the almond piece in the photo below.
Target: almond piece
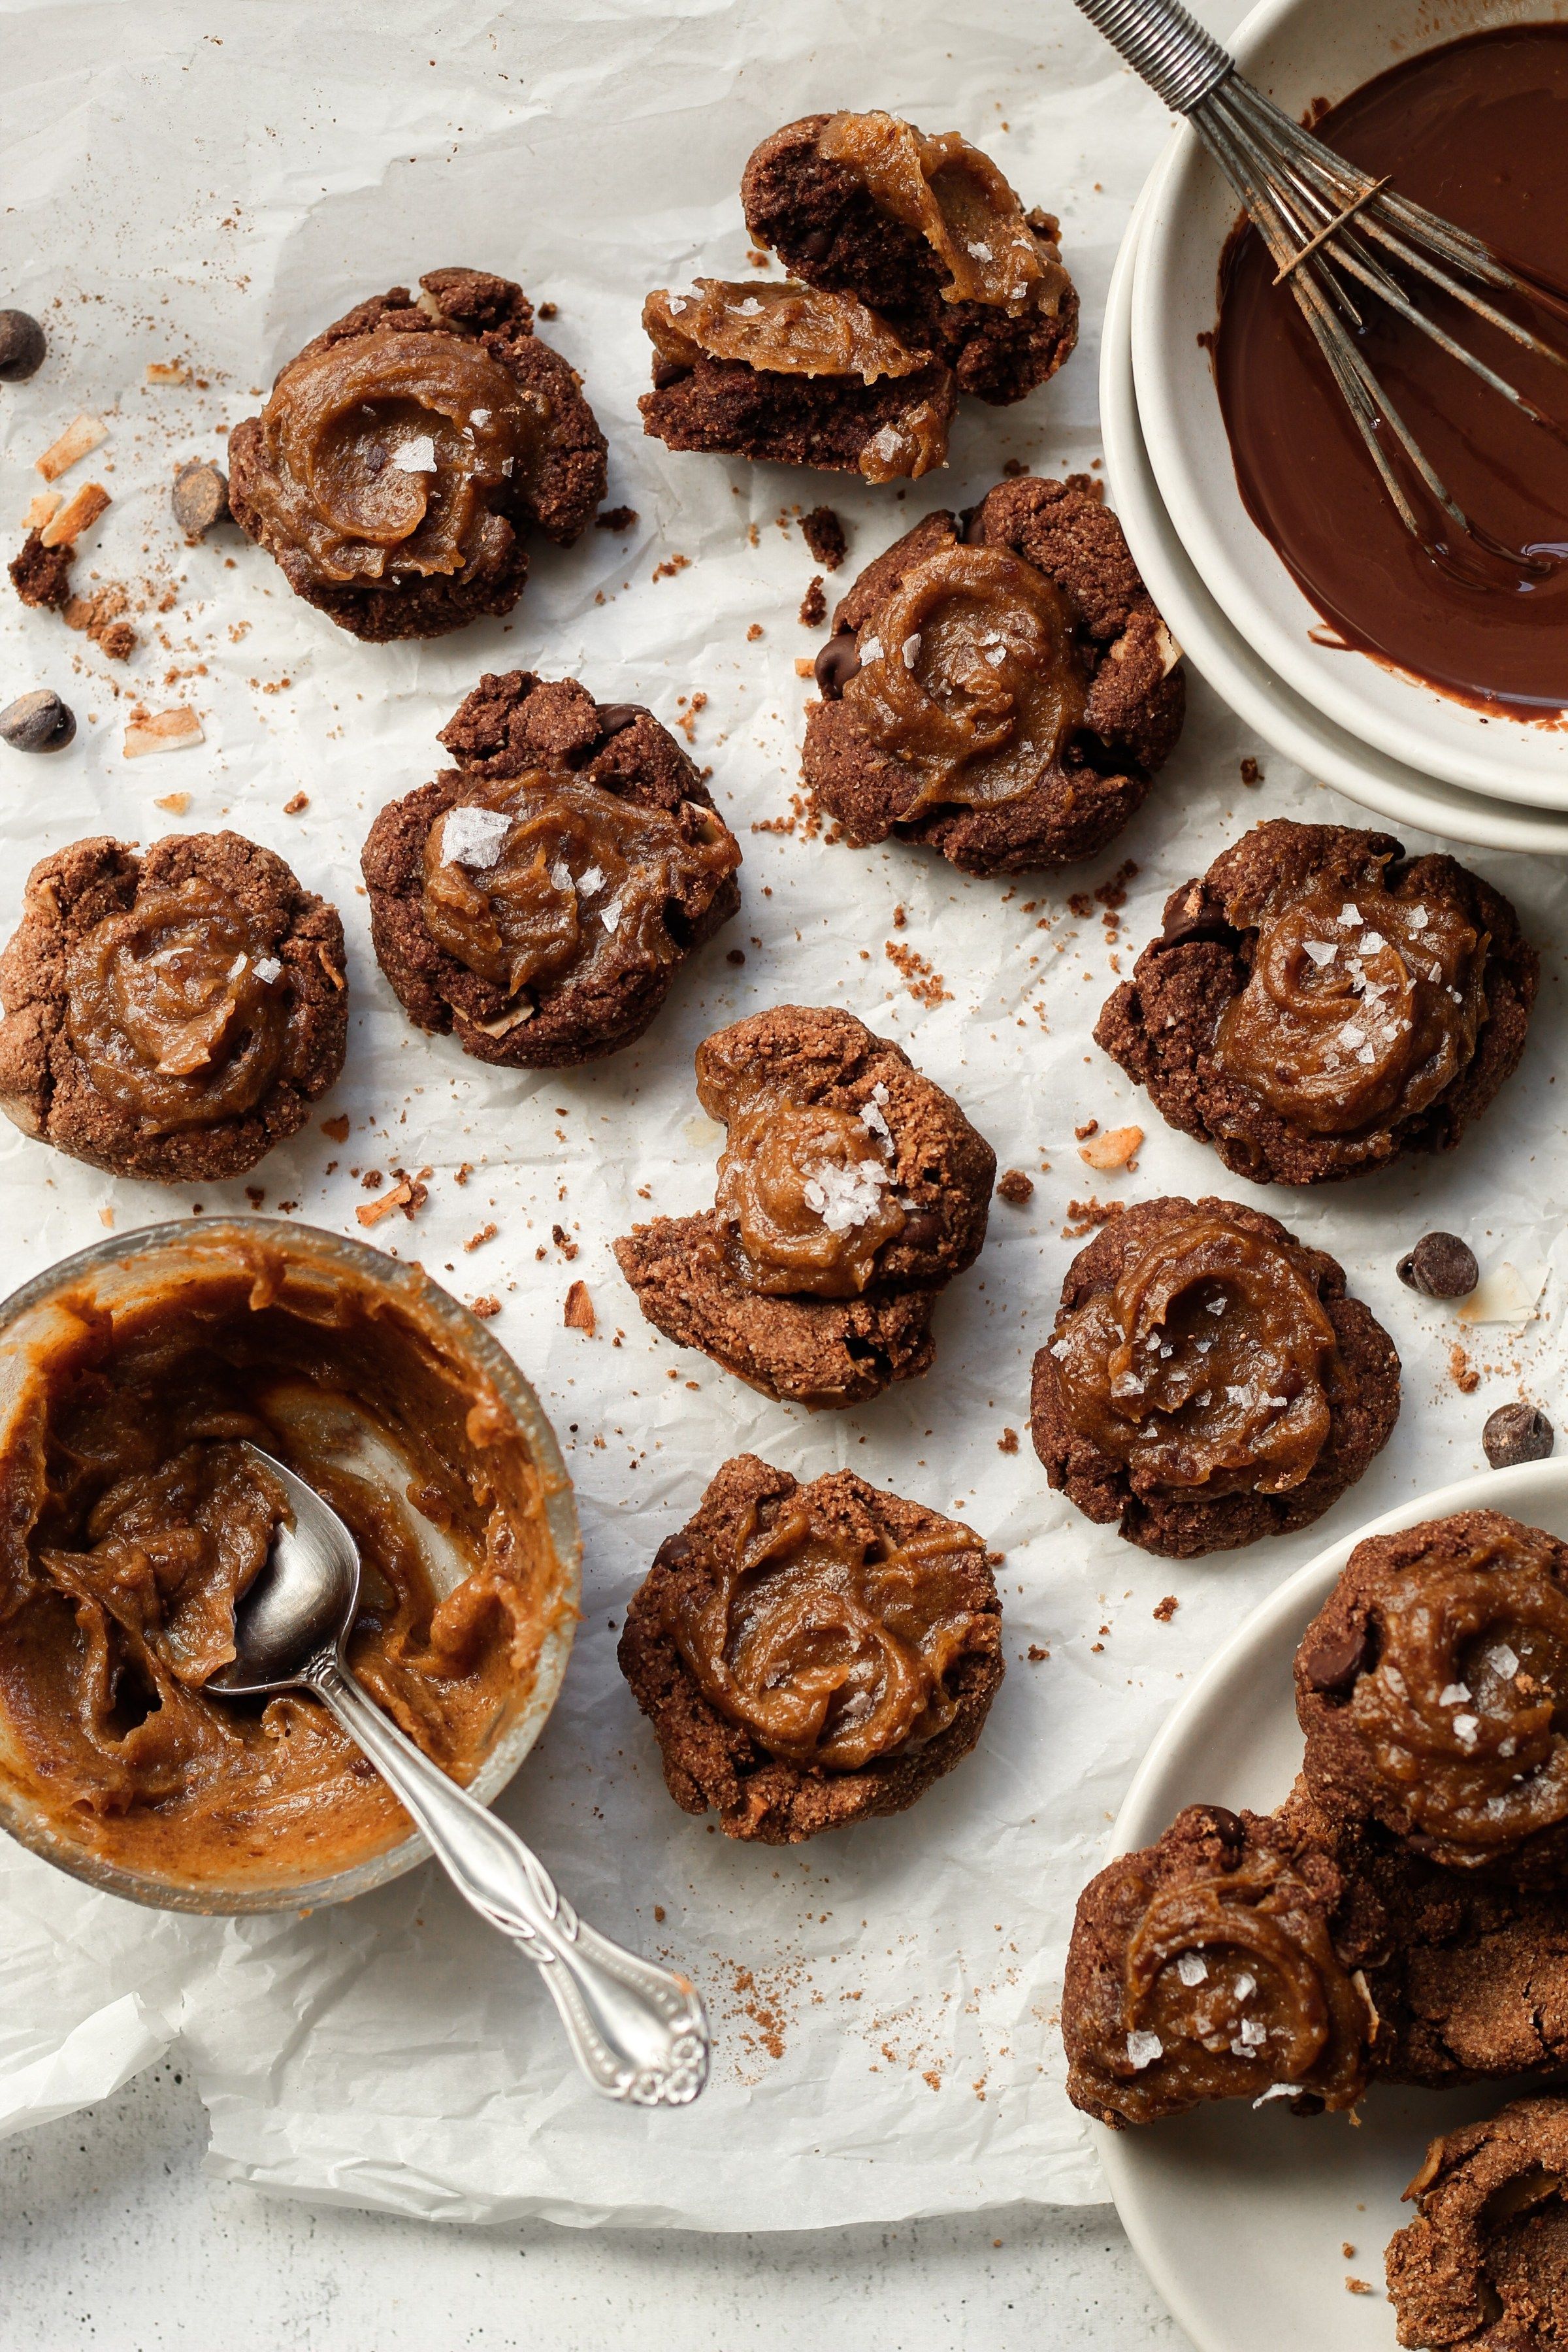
{"x": 161, "y": 731}
{"x": 91, "y": 501}
{"x": 82, "y": 434}
{"x": 1114, "y": 1148}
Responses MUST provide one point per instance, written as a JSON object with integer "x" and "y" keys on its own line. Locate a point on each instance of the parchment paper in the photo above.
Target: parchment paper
{"x": 212, "y": 185}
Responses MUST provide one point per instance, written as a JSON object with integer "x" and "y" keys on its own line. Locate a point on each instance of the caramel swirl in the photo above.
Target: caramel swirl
{"x": 1230, "y": 1984}
{"x": 969, "y": 676}
{"x": 807, "y": 1190}
{"x": 1466, "y": 1711}
{"x": 176, "y": 1009}
{"x": 954, "y": 195}
{"x": 1212, "y": 1363}
{"x": 382, "y": 452}
{"x": 1362, "y": 1004}
{"x": 831, "y": 1648}
{"x": 779, "y": 327}
{"x": 537, "y": 880}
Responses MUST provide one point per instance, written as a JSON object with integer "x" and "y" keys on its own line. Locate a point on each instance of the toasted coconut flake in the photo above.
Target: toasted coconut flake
{"x": 91, "y": 501}
{"x": 168, "y": 372}
{"x": 1114, "y": 1148}
{"x": 82, "y": 434}
{"x": 175, "y": 803}
{"x": 580, "y": 1314}
{"x": 329, "y": 968}
{"x": 504, "y": 1023}
{"x": 43, "y": 509}
{"x": 161, "y": 731}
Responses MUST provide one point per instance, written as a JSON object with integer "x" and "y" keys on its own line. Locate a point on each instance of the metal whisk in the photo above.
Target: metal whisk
{"x": 1326, "y": 224}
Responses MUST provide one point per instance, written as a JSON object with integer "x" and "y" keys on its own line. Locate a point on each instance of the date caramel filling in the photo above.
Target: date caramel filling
{"x": 808, "y": 1191}
{"x": 1231, "y": 1987}
{"x": 1211, "y": 1364}
{"x": 830, "y": 1646}
{"x": 534, "y": 881}
{"x": 176, "y": 1010}
{"x": 969, "y": 676}
{"x": 1360, "y": 1007}
{"x": 1465, "y": 1710}
{"x": 134, "y": 1521}
{"x": 787, "y": 329}
{"x": 380, "y": 455}
{"x": 953, "y": 196}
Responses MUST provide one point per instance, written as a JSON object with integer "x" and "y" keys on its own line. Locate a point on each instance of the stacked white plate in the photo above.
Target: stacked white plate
{"x": 1414, "y": 757}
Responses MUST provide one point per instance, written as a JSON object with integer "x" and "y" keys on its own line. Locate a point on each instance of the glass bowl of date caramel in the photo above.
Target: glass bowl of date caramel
{"x": 1457, "y": 670}
{"x": 134, "y": 1520}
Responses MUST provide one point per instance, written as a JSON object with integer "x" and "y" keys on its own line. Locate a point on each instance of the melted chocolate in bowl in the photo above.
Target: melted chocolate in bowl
{"x": 132, "y": 1522}
{"x": 1478, "y": 132}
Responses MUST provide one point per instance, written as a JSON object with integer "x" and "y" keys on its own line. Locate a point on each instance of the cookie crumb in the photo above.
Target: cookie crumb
{"x": 616, "y": 519}
{"x": 1359, "y": 2286}
{"x": 823, "y": 534}
{"x": 300, "y": 802}
{"x": 753, "y": 633}
{"x": 486, "y": 1233}
{"x": 337, "y": 1127}
{"x": 1251, "y": 773}
{"x": 1086, "y": 1216}
{"x": 1461, "y": 1371}
{"x": 1089, "y": 1127}
{"x": 485, "y": 1306}
{"x": 813, "y": 612}
{"x": 1009, "y": 1442}
{"x": 1036, "y": 1654}
{"x": 1163, "y": 1612}
{"x": 580, "y": 1314}
{"x": 924, "y": 983}
{"x": 1015, "y": 1186}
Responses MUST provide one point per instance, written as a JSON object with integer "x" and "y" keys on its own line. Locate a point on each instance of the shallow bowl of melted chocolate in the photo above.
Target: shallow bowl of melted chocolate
{"x": 131, "y": 1376}
{"x": 1453, "y": 664}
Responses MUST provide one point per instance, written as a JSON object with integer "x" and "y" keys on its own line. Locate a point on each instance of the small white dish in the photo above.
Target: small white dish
{"x": 1283, "y": 719}
{"x": 1240, "y": 2218}
{"x": 1299, "y": 51}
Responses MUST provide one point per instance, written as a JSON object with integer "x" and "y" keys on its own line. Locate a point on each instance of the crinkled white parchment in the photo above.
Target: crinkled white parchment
{"x": 212, "y": 185}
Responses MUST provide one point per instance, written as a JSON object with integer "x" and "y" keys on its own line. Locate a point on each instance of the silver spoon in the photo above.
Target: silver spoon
{"x": 637, "y": 2030}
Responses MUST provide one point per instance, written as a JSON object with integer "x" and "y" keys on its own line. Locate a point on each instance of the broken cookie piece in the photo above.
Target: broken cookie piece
{"x": 1485, "y": 2263}
{"x": 850, "y": 1191}
{"x": 998, "y": 687}
{"x": 927, "y": 232}
{"x": 171, "y": 1015}
{"x": 407, "y": 455}
{"x": 538, "y": 900}
{"x": 784, "y": 373}
{"x": 811, "y": 1655}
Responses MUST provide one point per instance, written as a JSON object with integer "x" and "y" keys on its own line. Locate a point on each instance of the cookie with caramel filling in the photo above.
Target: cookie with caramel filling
{"x": 1485, "y": 2262}
{"x": 171, "y": 1015}
{"x": 1433, "y": 1689}
{"x": 851, "y": 1189}
{"x": 927, "y": 231}
{"x": 1202, "y": 1967}
{"x": 811, "y": 1655}
{"x": 538, "y": 900}
{"x": 798, "y": 377}
{"x": 1318, "y": 1004}
{"x": 407, "y": 455}
{"x": 1208, "y": 1383}
{"x": 998, "y": 686}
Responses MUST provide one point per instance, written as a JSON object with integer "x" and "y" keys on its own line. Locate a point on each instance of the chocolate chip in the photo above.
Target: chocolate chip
{"x": 1336, "y": 1658}
{"x": 39, "y": 722}
{"x": 920, "y": 1229}
{"x": 816, "y": 244}
{"x": 614, "y": 717}
{"x": 200, "y": 497}
{"x": 1441, "y": 1266}
{"x": 1189, "y": 916}
{"x": 1225, "y": 1825}
{"x": 1517, "y": 1433}
{"x": 837, "y": 664}
{"x": 22, "y": 346}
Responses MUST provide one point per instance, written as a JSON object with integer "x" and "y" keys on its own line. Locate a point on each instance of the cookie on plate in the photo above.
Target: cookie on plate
{"x": 925, "y": 230}
{"x": 811, "y": 1655}
{"x": 998, "y": 686}
{"x": 1209, "y": 1381}
{"x": 1203, "y": 1969}
{"x": 173, "y": 1014}
{"x": 1317, "y": 1004}
{"x": 406, "y": 456}
{"x": 1432, "y": 1686}
{"x": 538, "y": 900}
{"x": 1485, "y": 2262}
{"x": 851, "y": 1189}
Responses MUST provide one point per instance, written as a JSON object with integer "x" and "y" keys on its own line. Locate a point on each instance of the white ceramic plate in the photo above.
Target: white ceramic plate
{"x": 1298, "y": 51}
{"x": 1240, "y": 2216}
{"x": 1240, "y": 677}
